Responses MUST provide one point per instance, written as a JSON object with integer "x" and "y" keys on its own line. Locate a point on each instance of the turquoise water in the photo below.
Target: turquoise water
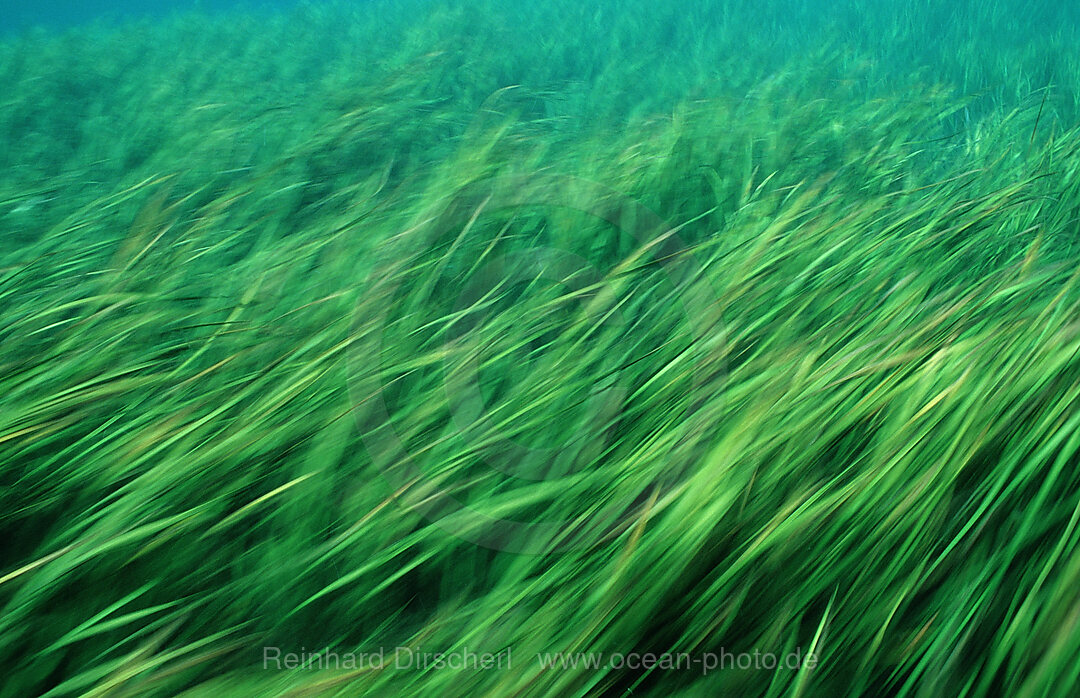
{"x": 16, "y": 16}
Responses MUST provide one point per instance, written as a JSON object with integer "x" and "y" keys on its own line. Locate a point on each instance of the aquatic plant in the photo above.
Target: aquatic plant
{"x": 461, "y": 333}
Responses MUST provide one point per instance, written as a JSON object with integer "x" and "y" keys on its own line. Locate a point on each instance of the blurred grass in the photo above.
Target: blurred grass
{"x": 558, "y": 328}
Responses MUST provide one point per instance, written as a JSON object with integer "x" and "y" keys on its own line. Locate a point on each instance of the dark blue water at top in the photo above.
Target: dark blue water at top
{"x": 21, "y": 15}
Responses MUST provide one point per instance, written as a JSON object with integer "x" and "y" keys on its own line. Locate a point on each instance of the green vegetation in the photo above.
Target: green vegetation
{"x": 550, "y": 327}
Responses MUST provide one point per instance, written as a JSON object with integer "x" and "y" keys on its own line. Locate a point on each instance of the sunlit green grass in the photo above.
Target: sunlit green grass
{"x": 563, "y": 328}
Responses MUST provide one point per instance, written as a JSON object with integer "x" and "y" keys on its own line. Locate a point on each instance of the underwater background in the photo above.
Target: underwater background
{"x": 492, "y": 348}
{"x": 64, "y": 14}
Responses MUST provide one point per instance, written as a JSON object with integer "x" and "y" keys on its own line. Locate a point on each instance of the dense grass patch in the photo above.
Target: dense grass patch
{"x": 555, "y": 328}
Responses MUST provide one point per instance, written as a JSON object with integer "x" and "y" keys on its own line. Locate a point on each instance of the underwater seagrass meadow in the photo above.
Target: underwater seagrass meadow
{"x": 613, "y": 340}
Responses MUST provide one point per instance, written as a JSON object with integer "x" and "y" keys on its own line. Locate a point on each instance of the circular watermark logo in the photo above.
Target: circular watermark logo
{"x": 456, "y": 312}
